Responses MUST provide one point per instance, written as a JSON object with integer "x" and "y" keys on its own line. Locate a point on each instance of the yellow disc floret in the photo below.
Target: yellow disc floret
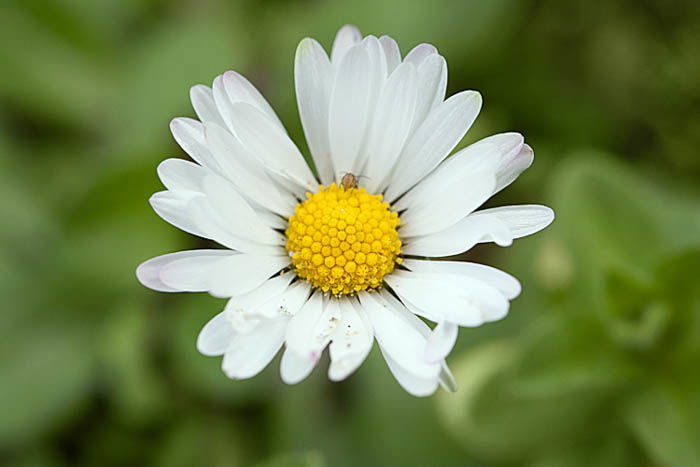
{"x": 343, "y": 240}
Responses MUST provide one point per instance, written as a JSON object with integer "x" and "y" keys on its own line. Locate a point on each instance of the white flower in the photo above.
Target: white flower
{"x": 309, "y": 265}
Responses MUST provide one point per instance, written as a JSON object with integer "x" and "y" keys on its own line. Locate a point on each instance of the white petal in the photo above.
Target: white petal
{"x": 192, "y": 212}
{"x": 229, "y": 153}
{"x": 204, "y": 105}
{"x": 504, "y": 282}
{"x": 521, "y": 220}
{"x": 302, "y": 322}
{"x": 507, "y": 146}
{"x": 415, "y": 385}
{"x": 349, "y": 109}
{"x": 445, "y": 376}
{"x": 512, "y": 159}
{"x": 303, "y": 349}
{"x": 246, "y": 172}
{"x": 391, "y": 52}
{"x": 464, "y": 164}
{"x": 351, "y": 342}
{"x": 250, "y": 353}
{"x": 500, "y": 225}
{"x": 237, "y": 214}
{"x": 378, "y": 74}
{"x": 239, "y": 89}
{"x": 272, "y": 146}
{"x": 313, "y": 78}
{"x": 310, "y": 329}
{"x": 211, "y": 222}
{"x": 378, "y": 65}
{"x": 293, "y": 368}
{"x": 346, "y": 37}
{"x": 179, "y": 174}
{"x": 272, "y": 220}
{"x": 432, "y": 84}
{"x": 459, "y": 299}
{"x": 391, "y": 125}
{"x": 241, "y": 273}
{"x": 245, "y": 311}
{"x": 327, "y": 324}
{"x": 148, "y": 272}
{"x": 189, "y": 273}
{"x": 230, "y": 89}
{"x": 441, "y": 341}
{"x": 215, "y": 336}
{"x": 420, "y": 53}
{"x": 189, "y": 134}
{"x": 462, "y": 236}
{"x": 434, "y": 140}
{"x": 172, "y": 207}
{"x": 223, "y": 102}
{"x": 294, "y": 298}
{"x": 459, "y": 196}
{"x": 513, "y": 168}
{"x": 406, "y": 313}
{"x": 397, "y": 337}
{"x": 269, "y": 301}
{"x": 274, "y": 299}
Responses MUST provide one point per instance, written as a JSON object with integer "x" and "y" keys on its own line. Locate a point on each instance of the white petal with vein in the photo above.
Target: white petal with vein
{"x": 434, "y": 140}
{"x": 241, "y": 273}
{"x": 313, "y": 79}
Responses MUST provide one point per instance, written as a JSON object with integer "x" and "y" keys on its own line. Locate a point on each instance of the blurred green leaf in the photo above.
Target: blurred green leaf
{"x": 609, "y": 447}
{"x": 309, "y": 459}
{"x": 125, "y": 347}
{"x": 47, "y": 370}
{"x": 664, "y": 420}
{"x": 510, "y": 390}
{"x": 636, "y": 317}
{"x": 677, "y": 278}
{"x": 203, "y": 439}
{"x": 56, "y": 80}
{"x": 35, "y": 456}
{"x": 606, "y": 213}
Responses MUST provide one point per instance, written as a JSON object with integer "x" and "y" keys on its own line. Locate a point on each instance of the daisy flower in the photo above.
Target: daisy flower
{"x": 339, "y": 256}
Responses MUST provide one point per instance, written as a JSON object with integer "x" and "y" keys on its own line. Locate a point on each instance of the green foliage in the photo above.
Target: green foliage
{"x": 614, "y": 347}
{"x": 595, "y": 366}
{"x": 311, "y": 459}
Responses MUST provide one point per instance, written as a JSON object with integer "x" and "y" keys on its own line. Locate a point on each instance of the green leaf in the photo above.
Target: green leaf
{"x": 308, "y": 459}
{"x": 609, "y": 446}
{"x": 57, "y": 81}
{"x": 677, "y": 277}
{"x": 203, "y": 439}
{"x": 47, "y": 372}
{"x": 606, "y": 212}
{"x": 503, "y": 395}
{"x": 634, "y": 315}
{"x": 126, "y": 348}
{"x": 664, "y": 419}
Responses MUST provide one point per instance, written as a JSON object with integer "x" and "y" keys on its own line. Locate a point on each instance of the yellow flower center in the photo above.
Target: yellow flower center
{"x": 343, "y": 240}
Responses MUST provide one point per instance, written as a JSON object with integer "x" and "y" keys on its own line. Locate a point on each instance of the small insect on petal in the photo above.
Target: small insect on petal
{"x": 348, "y": 181}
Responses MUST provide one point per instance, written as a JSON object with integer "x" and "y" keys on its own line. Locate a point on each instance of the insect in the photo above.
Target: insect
{"x": 348, "y": 181}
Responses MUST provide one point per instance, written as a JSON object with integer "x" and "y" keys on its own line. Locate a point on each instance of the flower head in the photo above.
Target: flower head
{"x": 331, "y": 260}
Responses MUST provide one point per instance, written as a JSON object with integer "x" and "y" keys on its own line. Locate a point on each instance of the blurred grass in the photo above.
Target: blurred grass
{"x": 597, "y": 364}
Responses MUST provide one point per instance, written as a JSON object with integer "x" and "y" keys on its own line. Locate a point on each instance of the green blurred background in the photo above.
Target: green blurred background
{"x": 597, "y": 364}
